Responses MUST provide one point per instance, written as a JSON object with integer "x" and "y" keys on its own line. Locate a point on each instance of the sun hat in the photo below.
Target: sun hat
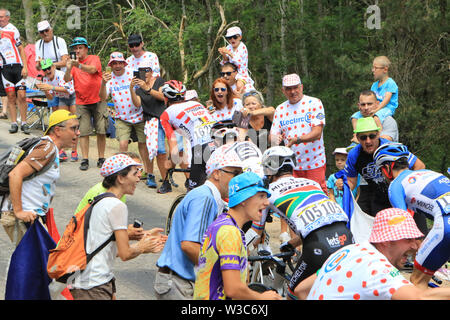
{"x": 244, "y": 186}
{"x": 43, "y": 25}
{"x": 290, "y": 80}
{"x": 47, "y": 63}
{"x": 394, "y": 224}
{"x": 365, "y": 125}
{"x": 117, "y": 163}
{"x": 59, "y": 116}
{"x": 80, "y": 40}
{"x": 224, "y": 156}
{"x": 116, "y": 56}
{"x": 340, "y": 151}
{"x": 233, "y": 31}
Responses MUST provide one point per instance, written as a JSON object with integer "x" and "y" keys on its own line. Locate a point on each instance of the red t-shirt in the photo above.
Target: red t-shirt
{"x": 87, "y": 86}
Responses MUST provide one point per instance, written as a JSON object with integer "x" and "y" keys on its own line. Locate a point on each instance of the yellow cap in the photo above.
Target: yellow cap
{"x": 59, "y": 116}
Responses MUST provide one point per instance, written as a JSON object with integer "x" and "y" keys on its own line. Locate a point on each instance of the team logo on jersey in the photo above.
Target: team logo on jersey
{"x": 308, "y": 117}
{"x": 412, "y": 180}
{"x": 320, "y": 116}
{"x": 336, "y": 260}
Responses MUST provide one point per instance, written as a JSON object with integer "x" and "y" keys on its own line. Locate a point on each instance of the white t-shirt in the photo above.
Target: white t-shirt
{"x": 58, "y": 81}
{"x": 46, "y": 50}
{"x": 357, "y": 272}
{"x": 108, "y": 215}
{"x": 227, "y": 113}
{"x": 134, "y": 63}
{"x": 119, "y": 90}
{"x": 294, "y": 120}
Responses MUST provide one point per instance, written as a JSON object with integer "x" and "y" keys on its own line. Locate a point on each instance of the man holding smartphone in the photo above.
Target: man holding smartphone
{"x": 86, "y": 72}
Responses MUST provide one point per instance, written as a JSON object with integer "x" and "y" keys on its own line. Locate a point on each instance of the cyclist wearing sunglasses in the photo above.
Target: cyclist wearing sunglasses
{"x": 236, "y": 53}
{"x": 139, "y": 55}
{"x": 373, "y": 196}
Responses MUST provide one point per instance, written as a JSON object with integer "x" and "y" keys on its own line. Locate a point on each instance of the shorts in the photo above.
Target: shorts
{"x": 317, "y": 247}
{"x": 12, "y": 78}
{"x": 371, "y": 202}
{"x": 317, "y": 175}
{"x": 2, "y": 88}
{"x": 92, "y": 116}
{"x": 162, "y": 140}
{"x": 102, "y": 292}
{"x": 200, "y": 155}
{"x": 172, "y": 287}
{"x": 53, "y": 103}
{"x": 124, "y": 129}
{"x": 67, "y": 102}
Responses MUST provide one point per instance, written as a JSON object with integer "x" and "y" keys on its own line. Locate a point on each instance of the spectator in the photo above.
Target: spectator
{"x": 60, "y": 95}
{"x": 50, "y": 47}
{"x": 86, "y": 72}
{"x": 261, "y": 118}
{"x": 224, "y": 104}
{"x": 367, "y": 103}
{"x": 139, "y": 55}
{"x": 386, "y": 91}
{"x": 229, "y": 72}
{"x": 373, "y": 196}
{"x": 198, "y": 209}
{"x": 30, "y": 197}
{"x": 299, "y": 122}
{"x": 336, "y": 192}
{"x": 110, "y": 217}
{"x": 370, "y": 270}
{"x": 222, "y": 270}
{"x": 14, "y": 71}
{"x": 129, "y": 116}
{"x": 236, "y": 53}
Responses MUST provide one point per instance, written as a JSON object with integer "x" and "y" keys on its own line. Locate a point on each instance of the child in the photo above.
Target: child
{"x": 236, "y": 53}
{"x": 385, "y": 89}
{"x": 334, "y": 192}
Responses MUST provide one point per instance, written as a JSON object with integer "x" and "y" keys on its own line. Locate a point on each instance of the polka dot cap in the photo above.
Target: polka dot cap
{"x": 117, "y": 163}
{"x": 291, "y": 80}
{"x": 224, "y": 156}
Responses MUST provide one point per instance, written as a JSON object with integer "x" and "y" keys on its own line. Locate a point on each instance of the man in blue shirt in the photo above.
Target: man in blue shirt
{"x": 373, "y": 196}
{"x": 199, "y": 208}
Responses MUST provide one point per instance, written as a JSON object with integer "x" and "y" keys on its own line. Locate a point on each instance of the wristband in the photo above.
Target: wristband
{"x": 299, "y": 140}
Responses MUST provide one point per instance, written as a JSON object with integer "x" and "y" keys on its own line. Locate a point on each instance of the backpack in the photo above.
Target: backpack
{"x": 70, "y": 256}
{"x": 10, "y": 158}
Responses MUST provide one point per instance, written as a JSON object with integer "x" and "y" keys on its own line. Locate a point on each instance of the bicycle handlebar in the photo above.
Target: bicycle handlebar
{"x": 282, "y": 255}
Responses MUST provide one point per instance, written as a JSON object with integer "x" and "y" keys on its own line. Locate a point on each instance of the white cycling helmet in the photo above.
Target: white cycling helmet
{"x": 174, "y": 90}
{"x": 277, "y": 157}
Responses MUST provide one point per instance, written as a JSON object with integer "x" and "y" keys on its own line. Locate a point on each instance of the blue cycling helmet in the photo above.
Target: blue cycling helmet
{"x": 390, "y": 152}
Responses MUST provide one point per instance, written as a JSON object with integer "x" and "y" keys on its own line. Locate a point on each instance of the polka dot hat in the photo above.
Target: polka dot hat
{"x": 116, "y": 163}
{"x": 394, "y": 224}
{"x": 224, "y": 156}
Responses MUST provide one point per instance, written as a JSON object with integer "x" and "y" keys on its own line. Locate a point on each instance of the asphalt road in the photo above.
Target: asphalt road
{"x": 135, "y": 277}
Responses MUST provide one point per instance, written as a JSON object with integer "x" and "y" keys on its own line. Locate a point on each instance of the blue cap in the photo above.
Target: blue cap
{"x": 80, "y": 40}
{"x": 244, "y": 186}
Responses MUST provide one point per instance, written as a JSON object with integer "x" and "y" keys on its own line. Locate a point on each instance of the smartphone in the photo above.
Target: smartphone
{"x": 73, "y": 56}
{"x": 142, "y": 73}
{"x": 108, "y": 69}
{"x": 240, "y": 121}
{"x": 136, "y": 74}
{"x": 137, "y": 223}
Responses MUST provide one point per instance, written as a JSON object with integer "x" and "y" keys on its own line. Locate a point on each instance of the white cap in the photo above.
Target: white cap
{"x": 43, "y": 25}
{"x": 233, "y": 31}
{"x": 291, "y": 80}
{"x": 191, "y": 94}
{"x": 340, "y": 151}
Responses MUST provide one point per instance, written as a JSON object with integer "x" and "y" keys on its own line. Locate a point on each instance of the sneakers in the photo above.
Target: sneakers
{"x": 25, "y": 128}
{"x": 84, "y": 164}
{"x": 62, "y": 156}
{"x": 14, "y": 128}
{"x": 151, "y": 183}
{"x": 74, "y": 156}
{"x": 165, "y": 187}
{"x": 100, "y": 162}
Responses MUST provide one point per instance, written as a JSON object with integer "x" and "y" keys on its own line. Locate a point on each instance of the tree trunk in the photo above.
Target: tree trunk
{"x": 265, "y": 47}
{"x": 283, "y": 35}
{"x": 210, "y": 40}
{"x": 29, "y": 25}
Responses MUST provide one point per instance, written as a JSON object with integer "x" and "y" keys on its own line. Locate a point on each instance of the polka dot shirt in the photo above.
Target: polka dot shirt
{"x": 357, "y": 272}
{"x": 227, "y": 113}
{"x": 294, "y": 120}
{"x": 151, "y": 60}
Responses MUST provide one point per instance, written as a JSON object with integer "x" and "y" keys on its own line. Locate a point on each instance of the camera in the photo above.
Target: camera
{"x": 73, "y": 56}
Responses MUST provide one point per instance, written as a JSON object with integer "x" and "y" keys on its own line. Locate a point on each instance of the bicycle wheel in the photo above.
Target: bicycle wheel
{"x": 172, "y": 211}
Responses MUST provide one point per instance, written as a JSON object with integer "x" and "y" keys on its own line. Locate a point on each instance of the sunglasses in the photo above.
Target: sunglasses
{"x": 146, "y": 69}
{"x": 44, "y": 31}
{"x": 232, "y": 37}
{"x": 250, "y": 93}
{"x": 223, "y": 74}
{"x": 234, "y": 173}
{"x": 133, "y": 45}
{"x": 365, "y": 136}
{"x": 47, "y": 69}
{"x": 221, "y": 89}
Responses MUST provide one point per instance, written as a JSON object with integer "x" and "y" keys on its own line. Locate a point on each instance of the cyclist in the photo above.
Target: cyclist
{"x": 422, "y": 191}
{"x": 319, "y": 223}
{"x": 193, "y": 121}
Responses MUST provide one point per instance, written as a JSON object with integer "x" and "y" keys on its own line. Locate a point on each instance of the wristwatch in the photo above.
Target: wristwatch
{"x": 299, "y": 140}
{"x": 149, "y": 90}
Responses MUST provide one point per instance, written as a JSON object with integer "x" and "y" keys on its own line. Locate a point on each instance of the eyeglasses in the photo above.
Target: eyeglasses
{"x": 44, "y": 31}
{"x": 365, "y": 136}
{"x": 73, "y": 128}
{"x": 232, "y": 37}
{"x": 146, "y": 69}
{"x": 133, "y": 45}
{"x": 221, "y": 89}
{"x": 228, "y": 73}
{"x": 375, "y": 67}
{"x": 234, "y": 173}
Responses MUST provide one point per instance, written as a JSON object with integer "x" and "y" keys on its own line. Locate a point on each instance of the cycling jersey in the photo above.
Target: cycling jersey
{"x": 427, "y": 192}
{"x": 9, "y": 51}
{"x": 191, "y": 119}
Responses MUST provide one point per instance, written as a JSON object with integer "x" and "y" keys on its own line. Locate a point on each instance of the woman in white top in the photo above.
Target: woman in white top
{"x": 224, "y": 103}
{"x": 110, "y": 216}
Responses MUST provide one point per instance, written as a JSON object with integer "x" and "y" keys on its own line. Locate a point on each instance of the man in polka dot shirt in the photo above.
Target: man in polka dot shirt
{"x": 370, "y": 270}
{"x": 299, "y": 122}
{"x": 139, "y": 55}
